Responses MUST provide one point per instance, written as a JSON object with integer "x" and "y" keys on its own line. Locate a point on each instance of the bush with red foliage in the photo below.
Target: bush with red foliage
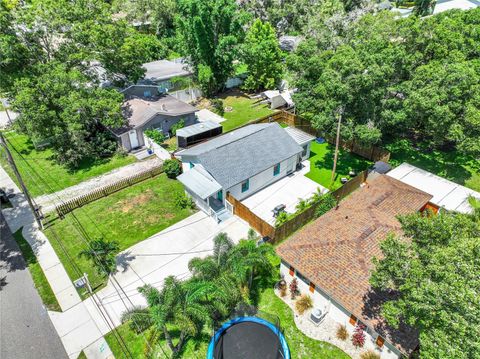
{"x": 294, "y": 288}
{"x": 358, "y": 337}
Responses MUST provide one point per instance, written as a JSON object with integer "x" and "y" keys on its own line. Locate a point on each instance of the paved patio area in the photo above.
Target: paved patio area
{"x": 288, "y": 191}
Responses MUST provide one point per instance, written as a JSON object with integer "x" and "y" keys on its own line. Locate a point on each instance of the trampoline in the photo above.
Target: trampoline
{"x": 248, "y": 337}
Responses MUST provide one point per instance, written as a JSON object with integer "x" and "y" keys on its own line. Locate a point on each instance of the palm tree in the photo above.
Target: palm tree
{"x": 187, "y": 305}
{"x": 212, "y": 266}
{"x": 102, "y": 254}
{"x": 246, "y": 260}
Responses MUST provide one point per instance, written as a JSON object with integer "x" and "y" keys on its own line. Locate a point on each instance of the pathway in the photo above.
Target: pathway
{"x": 48, "y": 201}
{"x": 80, "y": 326}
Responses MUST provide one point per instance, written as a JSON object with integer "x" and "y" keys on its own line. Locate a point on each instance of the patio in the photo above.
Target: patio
{"x": 288, "y": 191}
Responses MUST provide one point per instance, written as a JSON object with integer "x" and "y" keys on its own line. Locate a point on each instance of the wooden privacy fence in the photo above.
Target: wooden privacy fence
{"x": 101, "y": 192}
{"x": 299, "y": 220}
{"x": 372, "y": 153}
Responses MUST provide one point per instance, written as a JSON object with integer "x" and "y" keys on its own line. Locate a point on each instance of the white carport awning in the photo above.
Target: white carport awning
{"x": 199, "y": 182}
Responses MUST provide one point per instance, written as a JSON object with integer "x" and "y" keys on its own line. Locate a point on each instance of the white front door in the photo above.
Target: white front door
{"x": 290, "y": 165}
{"x": 133, "y": 139}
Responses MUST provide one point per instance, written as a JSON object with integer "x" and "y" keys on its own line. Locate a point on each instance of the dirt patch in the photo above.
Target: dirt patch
{"x": 127, "y": 205}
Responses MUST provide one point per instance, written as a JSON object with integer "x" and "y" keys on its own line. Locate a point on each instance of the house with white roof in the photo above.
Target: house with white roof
{"x": 240, "y": 162}
{"x": 446, "y": 194}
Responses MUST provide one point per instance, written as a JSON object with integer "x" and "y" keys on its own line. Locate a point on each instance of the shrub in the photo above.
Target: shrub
{"x": 294, "y": 288}
{"x": 281, "y": 218}
{"x": 302, "y": 204}
{"x": 176, "y": 126}
{"x": 304, "y": 303}
{"x": 217, "y": 106}
{"x": 370, "y": 354}
{"x": 358, "y": 337}
{"x": 342, "y": 332}
{"x": 155, "y": 135}
{"x": 183, "y": 201}
{"x": 326, "y": 203}
{"x": 139, "y": 319}
{"x": 172, "y": 168}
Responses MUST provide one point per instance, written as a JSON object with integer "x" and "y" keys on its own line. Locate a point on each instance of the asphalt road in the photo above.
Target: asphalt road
{"x": 26, "y": 331}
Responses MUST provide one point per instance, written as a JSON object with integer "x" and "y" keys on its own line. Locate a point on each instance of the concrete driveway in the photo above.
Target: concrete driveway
{"x": 164, "y": 254}
{"x": 288, "y": 191}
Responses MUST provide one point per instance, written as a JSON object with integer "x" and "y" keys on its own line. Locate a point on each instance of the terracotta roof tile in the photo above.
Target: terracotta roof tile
{"x": 335, "y": 251}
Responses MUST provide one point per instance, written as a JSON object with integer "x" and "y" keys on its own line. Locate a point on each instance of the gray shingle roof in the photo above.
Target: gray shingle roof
{"x": 243, "y": 153}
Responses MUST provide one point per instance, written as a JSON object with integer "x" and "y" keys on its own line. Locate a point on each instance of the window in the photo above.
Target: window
{"x": 276, "y": 169}
{"x": 353, "y": 319}
{"x": 245, "y": 186}
{"x": 380, "y": 341}
{"x": 304, "y": 152}
{"x": 192, "y": 165}
{"x": 147, "y": 93}
{"x": 311, "y": 288}
{"x": 291, "y": 271}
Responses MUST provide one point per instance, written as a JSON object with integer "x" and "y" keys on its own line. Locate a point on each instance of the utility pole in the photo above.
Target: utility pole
{"x": 339, "y": 114}
{"x": 20, "y": 180}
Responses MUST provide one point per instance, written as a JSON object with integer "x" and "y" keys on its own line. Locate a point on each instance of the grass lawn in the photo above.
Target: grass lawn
{"x": 300, "y": 345}
{"x": 321, "y": 164}
{"x": 462, "y": 169}
{"x": 242, "y": 110}
{"x": 40, "y": 163}
{"x": 128, "y": 217}
{"x": 39, "y": 279}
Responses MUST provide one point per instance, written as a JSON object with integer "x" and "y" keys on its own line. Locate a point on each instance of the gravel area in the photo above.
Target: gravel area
{"x": 326, "y": 331}
{"x": 48, "y": 201}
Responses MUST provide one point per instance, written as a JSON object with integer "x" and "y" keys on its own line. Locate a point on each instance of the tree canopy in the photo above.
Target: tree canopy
{"x": 395, "y": 77}
{"x": 262, "y": 54}
{"x": 435, "y": 275}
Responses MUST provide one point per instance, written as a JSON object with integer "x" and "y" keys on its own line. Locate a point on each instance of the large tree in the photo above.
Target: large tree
{"x": 211, "y": 31}
{"x": 434, "y": 272}
{"x": 59, "y": 105}
{"x": 262, "y": 54}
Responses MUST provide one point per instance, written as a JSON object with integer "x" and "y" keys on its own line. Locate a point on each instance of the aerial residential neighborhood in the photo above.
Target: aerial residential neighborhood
{"x": 239, "y": 179}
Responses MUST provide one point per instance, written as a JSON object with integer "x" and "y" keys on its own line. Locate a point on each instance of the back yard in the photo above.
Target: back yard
{"x": 33, "y": 163}
{"x": 301, "y": 346}
{"x": 242, "y": 110}
{"x": 128, "y": 217}
{"x": 321, "y": 164}
{"x": 462, "y": 169}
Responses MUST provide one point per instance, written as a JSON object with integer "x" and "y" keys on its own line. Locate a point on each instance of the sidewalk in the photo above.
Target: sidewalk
{"x": 80, "y": 326}
{"x": 48, "y": 201}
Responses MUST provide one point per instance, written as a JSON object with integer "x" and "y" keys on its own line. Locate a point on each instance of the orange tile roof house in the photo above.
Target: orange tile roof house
{"x": 332, "y": 258}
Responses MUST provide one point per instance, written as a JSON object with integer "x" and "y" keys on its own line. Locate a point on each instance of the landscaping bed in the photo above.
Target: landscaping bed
{"x": 321, "y": 164}
{"x": 128, "y": 217}
{"x": 42, "y": 174}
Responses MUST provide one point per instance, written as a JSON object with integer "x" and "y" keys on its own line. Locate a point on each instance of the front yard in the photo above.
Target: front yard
{"x": 242, "y": 110}
{"x": 128, "y": 217}
{"x": 321, "y": 164}
{"x": 35, "y": 164}
{"x": 301, "y": 346}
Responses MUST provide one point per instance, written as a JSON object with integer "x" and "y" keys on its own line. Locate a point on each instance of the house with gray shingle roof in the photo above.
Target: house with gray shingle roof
{"x": 240, "y": 162}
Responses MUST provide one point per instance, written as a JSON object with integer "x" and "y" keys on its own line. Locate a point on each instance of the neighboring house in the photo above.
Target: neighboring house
{"x": 446, "y": 194}
{"x": 161, "y": 73}
{"x": 240, "y": 162}
{"x": 332, "y": 259}
{"x": 441, "y": 6}
{"x": 277, "y": 99}
{"x": 159, "y": 112}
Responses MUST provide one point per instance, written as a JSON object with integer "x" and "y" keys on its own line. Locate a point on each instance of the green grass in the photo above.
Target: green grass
{"x": 33, "y": 163}
{"x": 39, "y": 279}
{"x": 300, "y": 345}
{"x": 82, "y": 355}
{"x": 451, "y": 165}
{"x": 242, "y": 110}
{"x": 321, "y": 164}
{"x": 128, "y": 216}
